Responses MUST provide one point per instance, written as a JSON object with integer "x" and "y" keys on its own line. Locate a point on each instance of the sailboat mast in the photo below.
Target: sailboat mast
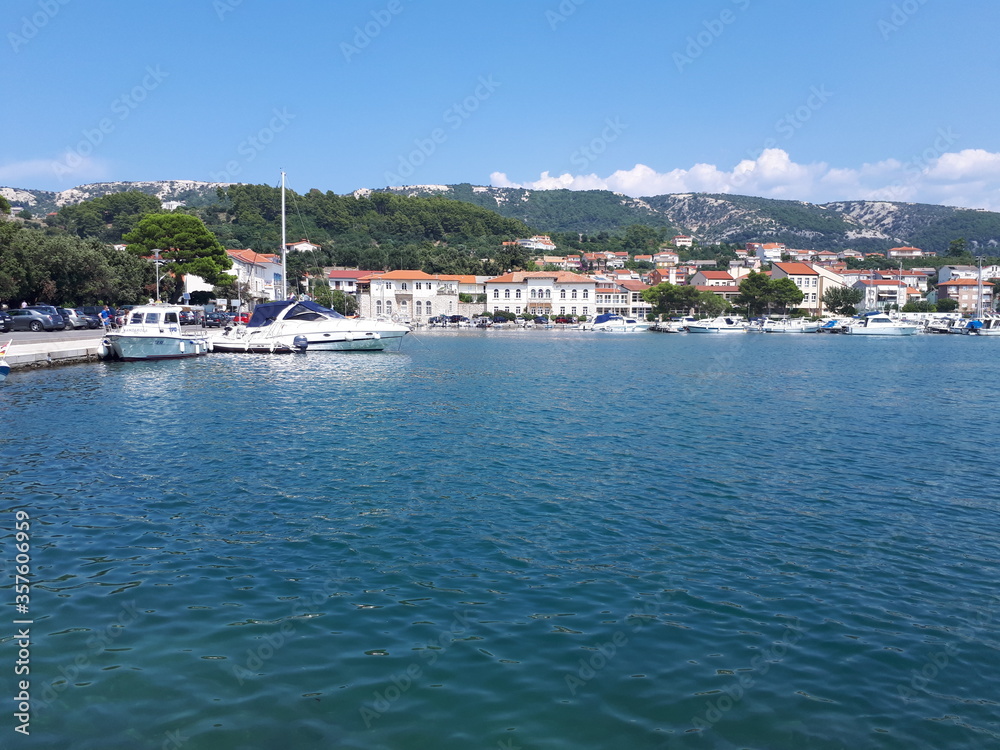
{"x": 284, "y": 244}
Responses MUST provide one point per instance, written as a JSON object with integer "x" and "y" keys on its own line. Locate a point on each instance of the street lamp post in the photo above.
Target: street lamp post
{"x": 157, "y": 261}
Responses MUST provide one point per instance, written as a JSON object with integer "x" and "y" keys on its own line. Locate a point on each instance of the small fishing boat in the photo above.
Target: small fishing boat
{"x": 154, "y": 332}
{"x": 880, "y": 324}
{"x": 722, "y": 324}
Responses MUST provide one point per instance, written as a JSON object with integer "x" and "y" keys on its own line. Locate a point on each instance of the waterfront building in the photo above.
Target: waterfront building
{"x": 555, "y": 293}
{"x": 966, "y": 293}
{"x": 409, "y": 296}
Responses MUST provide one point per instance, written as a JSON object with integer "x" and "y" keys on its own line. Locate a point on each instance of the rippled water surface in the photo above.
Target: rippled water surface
{"x": 513, "y": 540}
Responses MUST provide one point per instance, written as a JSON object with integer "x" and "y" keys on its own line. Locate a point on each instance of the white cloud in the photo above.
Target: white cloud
{"x": 968, "y": 178}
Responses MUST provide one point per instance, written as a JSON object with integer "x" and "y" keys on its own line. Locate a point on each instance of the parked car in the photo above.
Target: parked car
{"x": 52, "y": 311}
{"x": 242, "y": 318}
{"x": 6, "y": 323}
{"x": 188, "y": 318}
{"x": 71, "y": 319}
{"x": 92, "y": 320}
{"x": 31, "y": 319}
{"x": 215, "y": 320}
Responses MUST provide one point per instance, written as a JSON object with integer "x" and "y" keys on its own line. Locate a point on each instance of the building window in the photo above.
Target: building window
{"x": 402, "y": 286}
{"x": 562, "y": 310}
{"x": 506, "y": 293}
{"x": 572, "y": 311}
{"x": 533, "y": 295}
{"x": 574, "y": 294}
{"x": 388, "y": 307}
{"x": 428, "y": 310}
{"x": 418, "y": 308}
{"x": 517, "y": 293}
{"x": 378, "y": 307}
{"x": 548, "y": 294}
{"x": 586, "y": 293}
{"x": 388, "y": 285}
{"x": 496, "y": 294}
{"x": 416, "y": 285}
{"x": 562, "y": 294}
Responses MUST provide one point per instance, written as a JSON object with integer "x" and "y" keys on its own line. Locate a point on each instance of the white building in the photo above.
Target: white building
{"x": 302, "y": 246}
{"x": 412, "y": 296}
{"x": 260, "y": 272}
{"x": 540, "y": 242}
{"x": 555, "y": 293}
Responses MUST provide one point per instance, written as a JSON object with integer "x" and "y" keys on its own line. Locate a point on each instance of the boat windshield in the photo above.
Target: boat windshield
{"x": 267, "y": 313}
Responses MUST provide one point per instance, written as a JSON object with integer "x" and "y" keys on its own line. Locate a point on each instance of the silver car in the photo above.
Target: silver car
{"x": 33, "y": 319}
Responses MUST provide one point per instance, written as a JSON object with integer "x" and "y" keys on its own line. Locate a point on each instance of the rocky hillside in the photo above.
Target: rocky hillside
{"x": 862, "y": 225}
{"x": 41, "y": 202}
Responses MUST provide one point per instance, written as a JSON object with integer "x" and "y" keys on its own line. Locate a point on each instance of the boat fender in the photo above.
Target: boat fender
{"x": 301, "y": 343}
{"x": 349, "y": 336}
{"x": 103, "y": 349}
{"x": 378, "y": 335}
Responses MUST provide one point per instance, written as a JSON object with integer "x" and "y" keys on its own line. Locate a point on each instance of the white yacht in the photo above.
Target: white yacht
{"x": 722, "y": 324}
{"x": 154, "y": 332}
{"x": 986, "y": 326}
{"x": 789, "y": 326}
{"x": 615, "y": 323}
{"x": 281, "y": 327}
{"x": 880, "y": 324}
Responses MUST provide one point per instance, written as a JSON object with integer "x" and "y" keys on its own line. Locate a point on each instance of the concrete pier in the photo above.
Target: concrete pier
{"x": 48, "y": 353}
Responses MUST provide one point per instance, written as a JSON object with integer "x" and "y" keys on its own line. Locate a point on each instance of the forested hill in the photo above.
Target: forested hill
{"x": 861, "y": 225}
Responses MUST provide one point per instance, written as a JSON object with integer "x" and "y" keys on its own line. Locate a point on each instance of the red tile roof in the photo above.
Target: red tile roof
{"x": 796, "y": 269}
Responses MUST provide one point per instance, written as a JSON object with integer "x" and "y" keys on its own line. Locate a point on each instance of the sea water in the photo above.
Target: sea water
{"x": 516, "y": 539}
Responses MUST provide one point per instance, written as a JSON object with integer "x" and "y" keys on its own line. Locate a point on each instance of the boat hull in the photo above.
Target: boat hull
{"x": 895, "y": 331}
{"x": 135, "y": 348}
{"x": 4, "y": 371}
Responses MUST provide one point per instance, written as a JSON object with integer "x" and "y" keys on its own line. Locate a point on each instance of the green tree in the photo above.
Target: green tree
{"x": 711, "y": 304}
{"x": 785, "y": 293}
{"x": 4, "y": 206}
{"x": 947, "y": 305}
{"x": 322, "y": 293}
{"x": 342, "y": 302}
{"x": 184, "y": 243}
{"x": 842, "y": 300}
{"x": 920, "y": 306}
{"x": 667, "y": 298}
{"x": 756, "y": 293}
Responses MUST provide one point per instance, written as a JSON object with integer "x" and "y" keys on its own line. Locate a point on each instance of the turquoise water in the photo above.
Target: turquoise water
{"x": 513, "y": 540}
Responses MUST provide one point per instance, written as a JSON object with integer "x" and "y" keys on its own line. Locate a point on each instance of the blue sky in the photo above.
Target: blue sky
{"x": 888, "y": 99}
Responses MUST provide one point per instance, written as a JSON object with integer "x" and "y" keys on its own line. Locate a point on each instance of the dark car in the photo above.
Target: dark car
{"x": 189, "y": 318}
{"x": 215, "y": 320}
{"x": 6, "y": 323}
{"x": 31, "y": 319}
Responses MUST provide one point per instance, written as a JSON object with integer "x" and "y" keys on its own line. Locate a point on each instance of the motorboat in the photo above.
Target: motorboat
{"x": 880, "y": 324}
{"x": 789, "y": 326}
{"x": 615, "y": 323}
{"x": 987, "y": 326}
{"x": 722, "y": 324}
{"x": 154, "y": 332}
{"x": 300, "y": 325}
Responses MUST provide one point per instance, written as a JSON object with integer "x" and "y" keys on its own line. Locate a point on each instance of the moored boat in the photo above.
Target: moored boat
{"x": 880, "y": 324}
{"x": 986, "y": 326}
{"x": 789, "y": 326}
{"x": 614, "y": 323}
{"x": 722, "y": 324}
{"x": 154, "y": 332}
{"x": 281, "y": 327}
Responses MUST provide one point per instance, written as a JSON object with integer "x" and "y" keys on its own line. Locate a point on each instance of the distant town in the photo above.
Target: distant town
{"x": 581, "y": 286}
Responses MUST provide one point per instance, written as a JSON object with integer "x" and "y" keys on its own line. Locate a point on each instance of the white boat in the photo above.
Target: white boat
{"x": 615, "y": 323}
{"x": 880, "y": 324}
{"x": 987, "y": 326}
{"x": 722, "y": 324}
{"x": 4, "y": 367}
{"x": 789, "y": 326}
{"x": 282, "y": 327}
{"x": 154, "y": 332}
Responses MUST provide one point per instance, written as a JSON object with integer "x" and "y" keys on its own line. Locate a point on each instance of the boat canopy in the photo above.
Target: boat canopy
{"x": 266, "y": 313}
{"x": 605, "y": 317}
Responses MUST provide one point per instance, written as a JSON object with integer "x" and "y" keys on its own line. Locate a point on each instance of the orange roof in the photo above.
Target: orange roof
{"x": 634, "y": 286}
{"x": 251, "y": 256}
{"x": 718, "y": 275}
{"x": 349, "y": 274}
{"x": 403, "y": 275}
{"x": 962, "y": 282}
{"x": 797, "y": 269}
